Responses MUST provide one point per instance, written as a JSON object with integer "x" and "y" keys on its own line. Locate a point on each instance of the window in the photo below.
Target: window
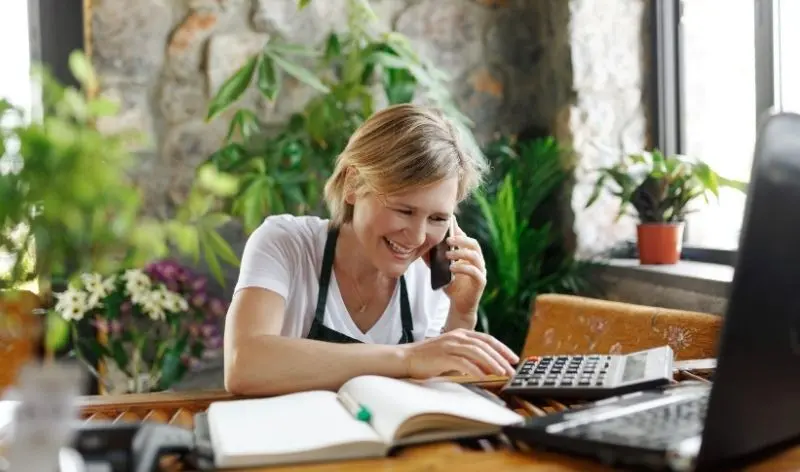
{"x": 718, "y": 108}
{"x": 787, "y": 59}
{"x": 721, "y": 65}
{"x": 14, "y": 81}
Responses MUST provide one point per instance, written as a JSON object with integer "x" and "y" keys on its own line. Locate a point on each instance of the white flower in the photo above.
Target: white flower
{"x": 97, "y": 288}
{"x": 152, "y": 304}
{"x": 173, "y": 302}
{"x": 137, "y": 284}
{"x": 72, "y": 304}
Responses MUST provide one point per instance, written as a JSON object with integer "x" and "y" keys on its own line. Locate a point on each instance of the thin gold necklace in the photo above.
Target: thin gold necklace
{"x": 358, "y": 293}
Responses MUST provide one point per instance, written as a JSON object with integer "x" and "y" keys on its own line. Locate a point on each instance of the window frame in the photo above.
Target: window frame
{"x": 668, "y": 127}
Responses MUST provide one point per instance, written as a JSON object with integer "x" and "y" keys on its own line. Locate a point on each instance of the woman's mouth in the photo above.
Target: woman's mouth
{"x": 398, "y": 250}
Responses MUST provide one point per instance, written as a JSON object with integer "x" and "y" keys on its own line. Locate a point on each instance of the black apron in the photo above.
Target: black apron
{"x": 320, "y": 332}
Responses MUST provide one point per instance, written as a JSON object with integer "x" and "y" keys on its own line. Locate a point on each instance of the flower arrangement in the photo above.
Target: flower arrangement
{"x": 155, "y": 323}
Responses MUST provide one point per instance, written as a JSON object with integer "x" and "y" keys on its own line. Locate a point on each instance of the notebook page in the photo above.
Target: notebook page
{"x": 393, "y": 401}
{"x": 252, "y": 430}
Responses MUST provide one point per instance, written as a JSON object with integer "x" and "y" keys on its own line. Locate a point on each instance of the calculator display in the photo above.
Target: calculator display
{"x": 634, "y": 367}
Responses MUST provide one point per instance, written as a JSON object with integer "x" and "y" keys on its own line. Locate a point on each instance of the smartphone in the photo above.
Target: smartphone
{"x": 440, "y": 264}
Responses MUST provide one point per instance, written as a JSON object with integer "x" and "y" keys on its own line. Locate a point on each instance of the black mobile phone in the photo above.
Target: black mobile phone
{"x": 440, "y": 264}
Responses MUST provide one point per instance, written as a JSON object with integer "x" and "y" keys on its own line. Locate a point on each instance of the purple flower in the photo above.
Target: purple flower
{"x": 198, "y": 300}
{"x": 199, "y": 284}
{"x": 217, "y": 307}
{"x": 214, "y": 342}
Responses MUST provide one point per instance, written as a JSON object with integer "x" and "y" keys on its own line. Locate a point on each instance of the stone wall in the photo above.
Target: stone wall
{"x": 574, "y": 67}
{"x": 164, "y": 59}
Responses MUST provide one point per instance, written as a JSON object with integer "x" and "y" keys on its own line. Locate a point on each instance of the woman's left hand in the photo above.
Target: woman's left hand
{"x": 469, "y": 274}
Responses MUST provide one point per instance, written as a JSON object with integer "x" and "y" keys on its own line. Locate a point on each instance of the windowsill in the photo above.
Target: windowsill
{"x": 703, "y": 277}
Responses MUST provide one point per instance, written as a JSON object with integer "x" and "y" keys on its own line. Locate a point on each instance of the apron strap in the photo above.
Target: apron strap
{"x": 405, "y": 314}
{"x": 325, "y": 274}
{"x": 324, "y": 282}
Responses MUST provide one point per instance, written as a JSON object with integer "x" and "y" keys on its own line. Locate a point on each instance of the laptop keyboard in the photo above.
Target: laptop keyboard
{"x": 654, "y": 428}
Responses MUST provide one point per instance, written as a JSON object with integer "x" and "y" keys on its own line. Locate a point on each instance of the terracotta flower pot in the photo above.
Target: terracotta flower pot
{"x": 20, "y": 329}
{"x": 659, "y": 243}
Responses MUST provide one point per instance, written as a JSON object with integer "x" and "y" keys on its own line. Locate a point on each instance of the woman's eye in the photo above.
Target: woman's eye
{"x": 405, "y": 212}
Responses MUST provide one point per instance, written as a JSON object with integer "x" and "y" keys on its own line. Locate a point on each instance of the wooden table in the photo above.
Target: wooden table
{"x": 179, "y": 408}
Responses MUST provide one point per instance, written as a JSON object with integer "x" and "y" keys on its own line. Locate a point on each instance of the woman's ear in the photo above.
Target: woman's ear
{"x": 350, "y": 185}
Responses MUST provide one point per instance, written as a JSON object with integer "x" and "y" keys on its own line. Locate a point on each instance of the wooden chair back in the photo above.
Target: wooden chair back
{"x": 568, "y": 324}
{"x": 20, "y": 327}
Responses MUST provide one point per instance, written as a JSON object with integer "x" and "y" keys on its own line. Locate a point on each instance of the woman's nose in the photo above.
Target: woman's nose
{"x": 417, "y": 233}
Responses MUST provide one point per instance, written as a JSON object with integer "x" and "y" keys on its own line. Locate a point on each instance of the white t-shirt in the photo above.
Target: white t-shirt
{"x": 284, "y": 254}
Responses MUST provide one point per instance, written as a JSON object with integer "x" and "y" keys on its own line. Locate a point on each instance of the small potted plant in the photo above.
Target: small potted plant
{"x": 660, "y": 189}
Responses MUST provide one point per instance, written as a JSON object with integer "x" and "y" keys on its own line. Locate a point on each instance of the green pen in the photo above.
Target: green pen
{"x": 359, "y": 411}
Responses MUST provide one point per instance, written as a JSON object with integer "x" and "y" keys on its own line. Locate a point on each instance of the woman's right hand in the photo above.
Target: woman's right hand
{"x": 462, "y": 350}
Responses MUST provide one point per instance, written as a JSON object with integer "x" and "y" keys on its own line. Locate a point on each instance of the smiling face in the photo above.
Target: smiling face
{"x": 396, "y": 230}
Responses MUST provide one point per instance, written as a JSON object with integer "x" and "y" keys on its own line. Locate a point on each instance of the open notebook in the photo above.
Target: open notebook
{"x": 322, "y": 426}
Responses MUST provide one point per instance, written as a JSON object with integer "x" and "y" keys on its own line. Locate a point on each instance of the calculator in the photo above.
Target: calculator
{"x": 592, "y": 375}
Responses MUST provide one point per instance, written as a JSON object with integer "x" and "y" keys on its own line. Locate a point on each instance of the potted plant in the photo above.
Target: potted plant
{"x": 69, "y": 207}
{"x": 156, "y": 324}
{"x": 660, "y": 189}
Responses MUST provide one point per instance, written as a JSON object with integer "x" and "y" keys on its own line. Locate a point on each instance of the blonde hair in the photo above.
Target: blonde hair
{"x": 399, "y": 148}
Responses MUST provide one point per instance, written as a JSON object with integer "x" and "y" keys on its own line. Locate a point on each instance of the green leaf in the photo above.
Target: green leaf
{"x": 299, "y": 72}
{"x": 82, "y": 69}
{"x": 333, "y": 47}
{"x": 302, "y": 4}
{"x": 119, "y": 355}
{"x": 246, "y": 122}
{"x": 211, "y": 258}
{"x": 268, "y": 78}
{"x": 232, "y": 89}
{"x": 172, "y": 366}
{"x": 221, "y": 247}
{"x": 185, "y": 237}
{"x": 102, "y": 107}
{"x": 57, "y": 333}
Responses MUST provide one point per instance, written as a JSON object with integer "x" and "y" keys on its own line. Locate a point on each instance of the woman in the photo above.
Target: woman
{"x": 319, "y": 302}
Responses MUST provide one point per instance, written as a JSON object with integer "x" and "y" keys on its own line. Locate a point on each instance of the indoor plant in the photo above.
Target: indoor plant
{"x": 660, "y": 189}
{"x": 69, "y": 207}
{"x": 155, "y": 323}
{"x": 514, "y": 217}
{"x": 283, "y": 168}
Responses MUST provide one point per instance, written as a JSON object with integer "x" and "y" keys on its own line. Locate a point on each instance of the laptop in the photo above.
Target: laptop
{"x": 753, "y": 405}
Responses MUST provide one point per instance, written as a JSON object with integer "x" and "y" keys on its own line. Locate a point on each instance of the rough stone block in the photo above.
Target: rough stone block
{"x": 449, "y": 33}
{"x": 309, "y": 26}
{"x": 481, "y": 95}
{"x": 185, "y": 147}
{"x": 185, "y": 49}
{"x": 183, "y": 99}
{"x": 135, "y": 113}
{"x": 128, "y": 37}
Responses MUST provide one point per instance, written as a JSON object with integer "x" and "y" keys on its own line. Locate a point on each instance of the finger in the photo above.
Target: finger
{"x": 508, "y": 369}
{"x": 456, "y": 230}
{"x": 464, "y": 241}
{"x": 499, "y": 347}
{"x": 469, "y": 255}
{"x": 463, "y": 365}
{"x": 469, "y": 270}
{"x": 478, "y": 356}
